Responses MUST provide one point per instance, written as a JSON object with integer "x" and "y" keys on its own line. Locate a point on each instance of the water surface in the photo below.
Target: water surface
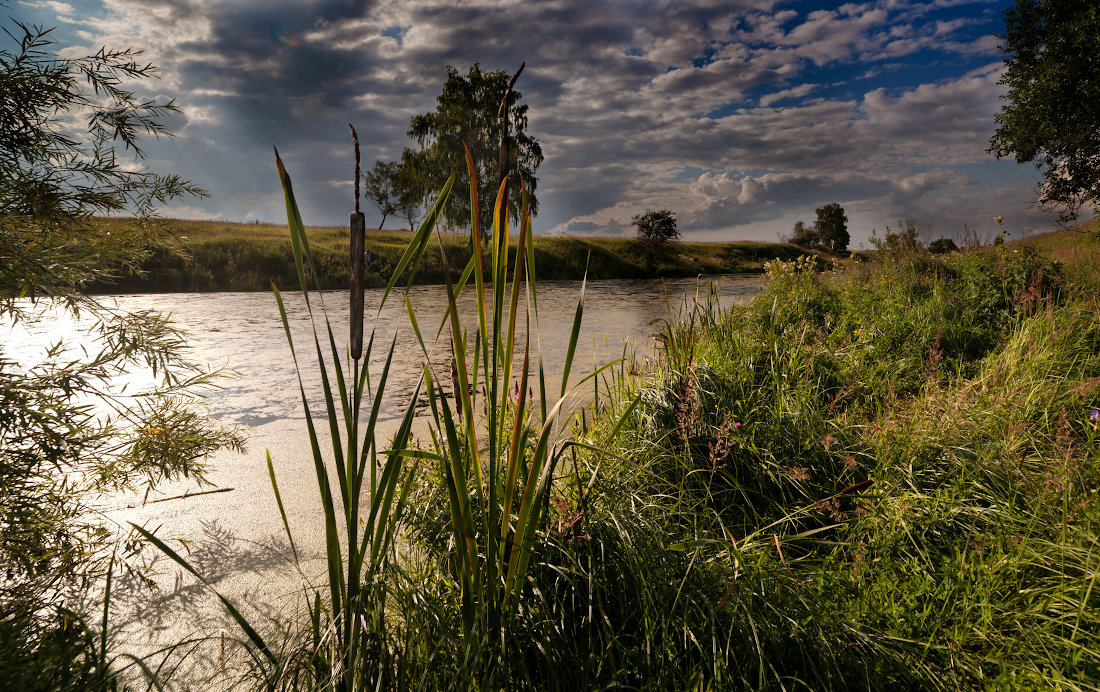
{"x": 242, "y": 332}
{"x": 236, "y": 538}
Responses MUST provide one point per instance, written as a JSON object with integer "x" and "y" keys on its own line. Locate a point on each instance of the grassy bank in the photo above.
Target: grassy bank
{"x": 220, "y": 256}
{"x": 877, "y": 478}
{"x": 1075, "y": 248}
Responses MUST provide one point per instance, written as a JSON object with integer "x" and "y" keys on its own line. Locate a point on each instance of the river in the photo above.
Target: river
{"x": 235, "y": 538}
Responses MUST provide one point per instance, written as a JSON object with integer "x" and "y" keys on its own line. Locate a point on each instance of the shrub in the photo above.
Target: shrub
{"x": 942, "y": 245}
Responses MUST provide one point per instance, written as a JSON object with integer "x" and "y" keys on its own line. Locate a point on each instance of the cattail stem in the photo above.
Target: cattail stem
{"x": 358, "y": 241}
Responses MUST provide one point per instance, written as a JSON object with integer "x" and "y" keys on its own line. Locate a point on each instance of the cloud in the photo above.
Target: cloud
{"x": 188, "y": 211}
{"x": 727, "y": 200}
{"x": 62, "y": 11}
{"x": 792, "y": 93}
{"x": 742, "y": 115}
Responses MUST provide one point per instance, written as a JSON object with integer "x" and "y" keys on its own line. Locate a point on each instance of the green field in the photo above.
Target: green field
{"x": 221, "y": 256}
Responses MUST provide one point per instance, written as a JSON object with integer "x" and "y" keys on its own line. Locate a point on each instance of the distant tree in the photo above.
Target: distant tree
{"x": 393, "y": 190}
{"x": 656, "y": 228}
{"x": 410, "y": 197}
{"x": 804, "y": 236}
{"x": 1052, "y": 114}
{"x": 380, "y": 188}
{"x": 832, "y": 227}
{"x": 467, "y": 112}
{"x": 942, "y": 245}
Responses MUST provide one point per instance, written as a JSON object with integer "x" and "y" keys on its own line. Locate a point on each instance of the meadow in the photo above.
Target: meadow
{"x": 221, "y": 256}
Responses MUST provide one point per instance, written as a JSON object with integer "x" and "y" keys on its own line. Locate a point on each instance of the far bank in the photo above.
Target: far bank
{"x": 223, "y": 256}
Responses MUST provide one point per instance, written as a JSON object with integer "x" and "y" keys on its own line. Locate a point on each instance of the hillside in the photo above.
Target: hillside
{"x": 1077, "y": 248}
{"x": 222, "y": 256}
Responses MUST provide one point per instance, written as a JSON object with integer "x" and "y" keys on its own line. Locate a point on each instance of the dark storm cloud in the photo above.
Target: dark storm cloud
{"x": 626, "y": 98}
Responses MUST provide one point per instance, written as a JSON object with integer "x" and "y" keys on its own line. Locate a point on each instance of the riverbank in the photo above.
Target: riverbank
{"x": 880, "y": 477}
{"x": 222, "y": 256}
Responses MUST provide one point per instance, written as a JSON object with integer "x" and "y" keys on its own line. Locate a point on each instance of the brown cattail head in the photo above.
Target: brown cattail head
{"x": 358, "y": 241}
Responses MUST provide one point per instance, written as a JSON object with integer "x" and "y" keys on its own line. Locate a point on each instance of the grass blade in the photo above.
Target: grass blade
{"x": 282, "y": 511}
{"x": 573, "y": 336}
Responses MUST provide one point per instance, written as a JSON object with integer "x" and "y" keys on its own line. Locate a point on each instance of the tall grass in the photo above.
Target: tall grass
{"x": 884, "y": 477}
{"x": 349, "y": 644}
{"x": 482, "y": 523}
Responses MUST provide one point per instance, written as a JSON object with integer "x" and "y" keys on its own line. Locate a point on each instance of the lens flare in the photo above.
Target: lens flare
{"x": 285, "y": 37}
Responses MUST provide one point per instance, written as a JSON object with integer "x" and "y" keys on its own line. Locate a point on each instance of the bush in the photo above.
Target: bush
{"x": 805, "y": 236}
{"x": 942, "y": 245}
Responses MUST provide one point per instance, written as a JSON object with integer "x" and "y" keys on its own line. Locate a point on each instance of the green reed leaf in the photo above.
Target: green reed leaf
{"x": 418, "y": 242}
{"x": 282, "y": 510}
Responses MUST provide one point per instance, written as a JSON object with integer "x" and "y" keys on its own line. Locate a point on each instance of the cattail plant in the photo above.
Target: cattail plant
{"x": 497, "y": 469}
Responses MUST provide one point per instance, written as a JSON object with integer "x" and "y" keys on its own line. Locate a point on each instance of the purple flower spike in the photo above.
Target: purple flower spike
{"x": 1094, "y": 414}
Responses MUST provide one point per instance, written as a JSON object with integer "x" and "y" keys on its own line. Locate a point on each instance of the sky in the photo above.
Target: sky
{"x": 741, "y": 116}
